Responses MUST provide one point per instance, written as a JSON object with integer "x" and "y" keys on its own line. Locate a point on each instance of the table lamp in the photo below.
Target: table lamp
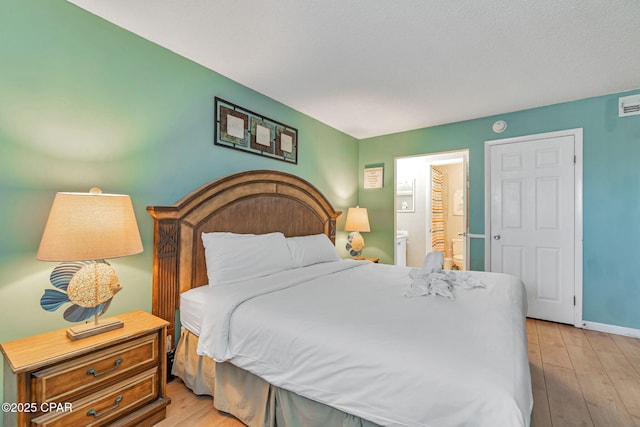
{"x": 357, "y": 221}
{"x": 82, "y": 230}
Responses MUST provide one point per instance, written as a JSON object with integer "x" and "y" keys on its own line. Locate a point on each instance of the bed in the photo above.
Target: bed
{"x": 324, "y": 341}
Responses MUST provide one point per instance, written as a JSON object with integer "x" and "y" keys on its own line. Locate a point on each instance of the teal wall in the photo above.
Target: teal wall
{"x": 611, "y": 193}
{"x": 85, "y": 103}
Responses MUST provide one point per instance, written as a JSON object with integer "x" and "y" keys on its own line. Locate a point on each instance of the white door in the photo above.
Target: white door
{"x": 532, "y": 234}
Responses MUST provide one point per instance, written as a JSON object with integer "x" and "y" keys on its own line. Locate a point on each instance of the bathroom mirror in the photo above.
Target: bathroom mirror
{"x": 405, "y": 200}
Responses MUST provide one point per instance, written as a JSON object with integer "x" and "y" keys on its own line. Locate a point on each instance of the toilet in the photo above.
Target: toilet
{"x": 458, "y": 253}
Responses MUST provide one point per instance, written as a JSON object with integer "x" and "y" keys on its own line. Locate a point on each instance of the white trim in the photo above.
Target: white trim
{"x": 578, "y": 138}
{"x": 612, "y": 329}
{"x": 475, "y": 236}
{"x": 578, "y": 225}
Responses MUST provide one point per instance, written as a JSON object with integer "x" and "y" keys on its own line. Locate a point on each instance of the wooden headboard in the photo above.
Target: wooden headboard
{"x": 248, "y": 202}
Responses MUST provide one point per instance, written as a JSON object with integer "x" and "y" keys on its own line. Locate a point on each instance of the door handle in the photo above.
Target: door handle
{"x": 462, "y": 234}
{"x": 496, "y": 237}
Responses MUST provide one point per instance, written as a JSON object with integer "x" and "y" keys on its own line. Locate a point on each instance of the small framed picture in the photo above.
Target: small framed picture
{"x": 262, "y": 135}
{"x": 374, "y": 176}
{"x": 233, "y": 126}
{"x": 286, "y": 143}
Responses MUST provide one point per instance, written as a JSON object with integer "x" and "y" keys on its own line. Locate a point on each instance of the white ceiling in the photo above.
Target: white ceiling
{"x": 374, "y": 67}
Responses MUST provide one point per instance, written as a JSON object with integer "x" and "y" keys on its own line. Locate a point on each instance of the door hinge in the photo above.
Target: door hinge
{"x": 574, "y": 300}
{"x": 575, "y": 160}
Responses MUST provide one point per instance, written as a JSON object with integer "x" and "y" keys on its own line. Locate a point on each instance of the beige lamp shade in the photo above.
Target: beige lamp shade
{"x": 90, "y": 226}
{"x": 357, "y": 220}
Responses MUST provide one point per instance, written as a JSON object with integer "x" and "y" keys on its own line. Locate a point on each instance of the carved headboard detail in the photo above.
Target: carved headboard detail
{"x": 248, "y": 202}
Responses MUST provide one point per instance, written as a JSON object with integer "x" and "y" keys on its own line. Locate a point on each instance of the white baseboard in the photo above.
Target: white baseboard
{"x": 612, "y": 329}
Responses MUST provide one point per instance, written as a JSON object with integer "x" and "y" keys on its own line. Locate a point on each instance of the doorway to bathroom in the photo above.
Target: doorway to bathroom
{"x": 431, "y": 208}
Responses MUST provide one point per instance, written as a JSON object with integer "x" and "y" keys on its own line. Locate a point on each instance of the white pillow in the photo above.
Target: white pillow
{"x": 233, "y": 257}
{"x": 308, "y": 250}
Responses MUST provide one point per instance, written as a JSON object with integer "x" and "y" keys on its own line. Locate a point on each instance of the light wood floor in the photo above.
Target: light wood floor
{"x": 579, "y": 378}
{"x": 582, "y": 377}
{"x": 188, "y": 410}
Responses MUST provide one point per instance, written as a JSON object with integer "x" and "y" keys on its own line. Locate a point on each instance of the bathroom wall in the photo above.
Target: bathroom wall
{"x": 414, "y": 168}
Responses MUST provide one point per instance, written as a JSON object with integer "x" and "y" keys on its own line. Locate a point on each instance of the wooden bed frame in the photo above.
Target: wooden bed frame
{"x": 248, "y": 202}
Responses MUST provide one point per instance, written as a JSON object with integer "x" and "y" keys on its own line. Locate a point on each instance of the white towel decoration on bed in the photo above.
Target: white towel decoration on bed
{"x": 432, "y": 280}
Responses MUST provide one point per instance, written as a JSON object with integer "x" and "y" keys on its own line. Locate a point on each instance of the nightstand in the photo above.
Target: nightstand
{"x": 116, "y": 378}
{"x": 360, "y": 258}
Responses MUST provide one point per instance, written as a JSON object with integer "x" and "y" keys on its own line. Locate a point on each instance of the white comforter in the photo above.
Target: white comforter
{"x": 344, "y": 334}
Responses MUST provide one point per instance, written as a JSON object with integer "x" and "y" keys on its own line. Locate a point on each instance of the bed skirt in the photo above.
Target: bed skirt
{"x": 248, "y": 397}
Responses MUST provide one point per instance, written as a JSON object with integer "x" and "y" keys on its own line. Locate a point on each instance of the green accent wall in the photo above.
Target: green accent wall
{"x": 611, "y": 193}
{"x": 85, "y": 103}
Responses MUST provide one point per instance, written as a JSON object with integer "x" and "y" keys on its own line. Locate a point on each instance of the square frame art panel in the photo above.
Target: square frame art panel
{"x": 245, "y": 130}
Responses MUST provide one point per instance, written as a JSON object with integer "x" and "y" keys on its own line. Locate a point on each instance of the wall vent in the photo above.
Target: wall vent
{"x": 629, "y": 105}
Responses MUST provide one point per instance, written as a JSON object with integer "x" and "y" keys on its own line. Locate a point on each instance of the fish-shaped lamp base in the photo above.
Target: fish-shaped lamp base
{"x": 89, "y": 286}
{"x": 355, "y": 243}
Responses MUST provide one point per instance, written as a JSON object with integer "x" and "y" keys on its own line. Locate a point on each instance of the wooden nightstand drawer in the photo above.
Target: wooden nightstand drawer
{"x": 69, "y": 380}
{"x": 104, "y": 406}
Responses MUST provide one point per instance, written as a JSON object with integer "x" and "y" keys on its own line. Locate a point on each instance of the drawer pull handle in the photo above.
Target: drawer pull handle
{"x": 96, "y": 414}
{"x": 97, "y": 374}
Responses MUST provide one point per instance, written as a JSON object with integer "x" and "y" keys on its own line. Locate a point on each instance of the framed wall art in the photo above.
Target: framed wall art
{"x": 374, "y": 176}
{"x": 244, "y": 130}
